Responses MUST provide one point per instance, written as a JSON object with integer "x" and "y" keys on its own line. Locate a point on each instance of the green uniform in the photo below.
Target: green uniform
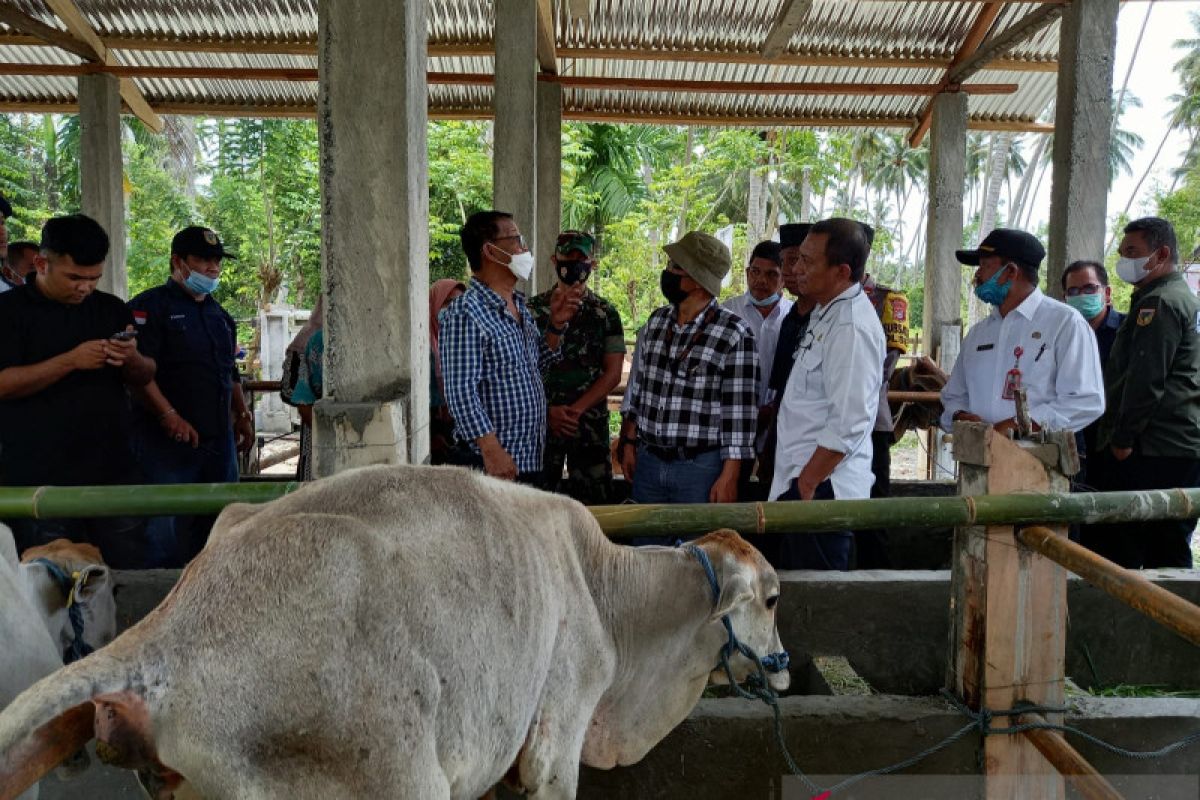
{"x": 595, "y": 332}
{"x": 1152, "y": 378}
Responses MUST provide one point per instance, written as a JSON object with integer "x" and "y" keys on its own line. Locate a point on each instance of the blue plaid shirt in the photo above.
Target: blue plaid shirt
{"x": 492, "y": 367}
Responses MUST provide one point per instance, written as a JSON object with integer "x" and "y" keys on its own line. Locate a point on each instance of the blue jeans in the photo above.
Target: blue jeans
{"x": 827, "y": 551}
{"x": 687, "y": 480}
{"x": 175, "y": 540}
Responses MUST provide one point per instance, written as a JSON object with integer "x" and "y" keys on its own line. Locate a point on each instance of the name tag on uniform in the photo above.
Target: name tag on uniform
{"x": 985, "y": 347}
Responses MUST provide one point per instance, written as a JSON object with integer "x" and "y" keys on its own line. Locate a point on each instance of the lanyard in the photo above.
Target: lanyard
{"x": 806, "y": 342}
{"x": 709, "y": 316}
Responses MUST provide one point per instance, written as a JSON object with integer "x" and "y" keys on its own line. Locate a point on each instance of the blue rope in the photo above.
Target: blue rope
{"x": 78, "y": 648}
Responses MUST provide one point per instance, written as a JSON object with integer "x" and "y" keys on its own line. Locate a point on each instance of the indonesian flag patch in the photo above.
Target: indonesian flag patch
{"x": 139, "y": 317}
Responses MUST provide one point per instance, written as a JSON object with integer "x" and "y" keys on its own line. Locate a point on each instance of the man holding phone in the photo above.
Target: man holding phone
{"x": 64, "y": 411}
{"x": 192, "y": 418}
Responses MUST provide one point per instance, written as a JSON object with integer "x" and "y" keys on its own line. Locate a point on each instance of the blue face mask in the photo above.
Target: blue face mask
{"x": 992, "y": 291}
{"x": 201, "y": 283}
{"x": 1090, "y": 305}
{"x": 766, "y": 301}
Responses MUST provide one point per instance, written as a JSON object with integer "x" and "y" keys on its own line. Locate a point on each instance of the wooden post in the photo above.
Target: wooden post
{"x": 1008, "y": 610}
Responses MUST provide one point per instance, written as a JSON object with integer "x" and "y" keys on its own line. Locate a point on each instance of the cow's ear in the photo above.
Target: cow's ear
{"x": 89, "y": 580}
{"x": 735, "y": 592}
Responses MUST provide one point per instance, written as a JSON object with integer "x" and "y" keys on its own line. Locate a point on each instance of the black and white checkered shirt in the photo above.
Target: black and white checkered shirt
{"x": 697, "y": 382}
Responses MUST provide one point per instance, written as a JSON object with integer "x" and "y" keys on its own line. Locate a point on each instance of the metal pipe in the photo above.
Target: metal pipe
{"x": 1126, "y": 585}
{"x": 625, "y": 521}
{"x": 1066, "y": 759}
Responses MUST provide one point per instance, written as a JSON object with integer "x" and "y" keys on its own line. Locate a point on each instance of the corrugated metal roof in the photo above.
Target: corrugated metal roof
{"x": 635, "y": 34}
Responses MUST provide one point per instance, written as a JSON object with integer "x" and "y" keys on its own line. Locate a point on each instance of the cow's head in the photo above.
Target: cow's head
{"x": 749, "y": 596}
{"x": 85, "y": 587}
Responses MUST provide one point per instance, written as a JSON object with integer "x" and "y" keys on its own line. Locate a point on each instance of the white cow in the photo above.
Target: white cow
{"x": 408, "y": 632}
{"x": 35, "y": 624}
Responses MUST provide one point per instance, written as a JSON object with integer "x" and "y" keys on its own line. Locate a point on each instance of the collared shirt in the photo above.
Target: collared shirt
{"x": 766, "y": 333}
{"x": 492, "y": 368}
{"x": 1153, "y": 374}
{"x": 76, "y": 431}
{"x": 1059, "y": 366}
{"x": 791, "y": 330}
{"x": 194, "y": 345}
{"x": 697, "y": 383}
{"x": 832, "y": 395}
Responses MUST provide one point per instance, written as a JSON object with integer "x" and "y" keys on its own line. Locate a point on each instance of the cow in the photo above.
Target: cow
{"x": 409, "y": 632}
{"x": 37, "y": 624}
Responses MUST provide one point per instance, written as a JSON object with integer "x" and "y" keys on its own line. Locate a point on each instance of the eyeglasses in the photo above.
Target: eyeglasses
{"x": 1090, "y": 288}
{"x": 520, "y": 240}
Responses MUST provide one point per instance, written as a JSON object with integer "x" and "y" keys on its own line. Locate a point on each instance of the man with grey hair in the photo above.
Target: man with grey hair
{"x": 693, "y": 409}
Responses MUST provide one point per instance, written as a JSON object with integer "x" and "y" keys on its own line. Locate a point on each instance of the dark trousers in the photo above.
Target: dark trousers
{"x": 1160, "y": 543}
{"x": 871, "y": 545}
{"x": 824, "y": 551}
{"x": 121, "y": 540}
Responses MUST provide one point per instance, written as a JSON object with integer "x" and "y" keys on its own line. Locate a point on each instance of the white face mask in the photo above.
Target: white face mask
{"x": 1132, "y": 270}
{"x": 520, "y": 264}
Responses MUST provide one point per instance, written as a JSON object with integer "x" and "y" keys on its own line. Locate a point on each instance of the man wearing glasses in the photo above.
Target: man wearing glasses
{"x": 1085, "y": 287}
{"x": 493, "y": 354}
{"x": 577, "y": 386}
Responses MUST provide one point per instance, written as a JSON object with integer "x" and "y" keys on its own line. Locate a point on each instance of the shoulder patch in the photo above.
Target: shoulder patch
{"x": 140, "y": 317}
{"x": 1145, "y": 316}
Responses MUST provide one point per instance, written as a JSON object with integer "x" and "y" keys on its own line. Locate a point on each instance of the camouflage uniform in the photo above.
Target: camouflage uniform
{"x": 595, "y": 332}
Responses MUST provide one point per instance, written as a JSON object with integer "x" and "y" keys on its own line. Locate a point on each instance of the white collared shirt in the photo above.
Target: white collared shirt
{"x": 766, "y": 333}
{"x": 832, "y": 395}
{"x": 1059, "y": 365}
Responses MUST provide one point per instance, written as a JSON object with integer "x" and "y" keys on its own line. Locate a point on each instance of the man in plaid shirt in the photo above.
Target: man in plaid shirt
{"x": 693, "y": 408}
{"x": 493, "y": 355}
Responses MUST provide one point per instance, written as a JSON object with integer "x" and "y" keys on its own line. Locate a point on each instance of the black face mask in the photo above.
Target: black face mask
{"x": 572, "y": 272}
{"x": 670, "y": 282}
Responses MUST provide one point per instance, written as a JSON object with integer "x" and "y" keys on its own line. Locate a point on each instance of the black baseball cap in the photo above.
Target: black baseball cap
{"x": 195, "y": 240}
{"x": 792, "y": 234}
{"x": 1006, "y": 243}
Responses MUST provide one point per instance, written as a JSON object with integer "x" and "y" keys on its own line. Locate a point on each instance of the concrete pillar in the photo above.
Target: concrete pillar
{"x": 372, "y": 114}
{"x": 549, "y": 180}
{"x": 514, "y": 152}
{"x": 947, "y": 167}
{"x": 1082, "y": 129}
{"x": 101, "y": 181}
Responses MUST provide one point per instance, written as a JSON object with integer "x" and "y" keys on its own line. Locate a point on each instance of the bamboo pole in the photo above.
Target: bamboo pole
{"x": 1129, "y": 587}
{"x": 625, "y": 521}
{"x": 1067, "y": 760}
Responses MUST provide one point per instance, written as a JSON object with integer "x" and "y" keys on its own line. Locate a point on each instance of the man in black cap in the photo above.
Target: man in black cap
{"x": 1029, "y": 341}
{"x": 66, "y": 357}
{"x": 192, "y": 416}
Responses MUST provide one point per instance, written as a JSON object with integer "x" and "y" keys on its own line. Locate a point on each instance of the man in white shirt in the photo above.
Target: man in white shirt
{"x": 828, "y": 408}
{"x": 1029, "y": 341}
{"x": 763, "y": 308}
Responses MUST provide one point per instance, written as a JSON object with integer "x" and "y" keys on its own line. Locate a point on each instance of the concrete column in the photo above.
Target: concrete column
{"x": 101, "y": 170}
{"x": 514, "y": 151}
{"x": 947, "y": 166}
{"x": 549, "y": 181}
{"x": 372, "y": 114}
{"x": 1082, "y": 129}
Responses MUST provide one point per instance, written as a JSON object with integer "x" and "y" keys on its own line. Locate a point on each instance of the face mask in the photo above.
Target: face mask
{"x": 992, "y": 291}
{"x": 573, "y": 272}
{"x": 1132, "y": 270}
{"x": 669, "y": 282}
{"x": 766, "y": 301}
{"x": 1090, "y": 305}
{"x": 520, "y": 264}
{"x": 201, "y": 283}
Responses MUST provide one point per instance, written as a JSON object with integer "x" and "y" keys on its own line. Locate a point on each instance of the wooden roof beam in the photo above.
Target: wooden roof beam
{"x": 1003, "y": 42}
{"x": 547, "y": 59}
{"x": 78, "y": 26}
{"x": 975, "y": 36}
{"x": 39, "y": 33}
{"x": 787, "y": 22}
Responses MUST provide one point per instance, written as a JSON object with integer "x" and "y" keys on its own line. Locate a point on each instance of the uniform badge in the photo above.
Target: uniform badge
{"x": 899, "y": 309}
{"x": 140, "y": 317}
{"x": 1145, "y": 316}
{"x": 211, "y": 238}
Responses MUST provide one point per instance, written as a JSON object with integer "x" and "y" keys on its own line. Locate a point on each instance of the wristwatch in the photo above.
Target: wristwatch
{"x": 557, "y": 331}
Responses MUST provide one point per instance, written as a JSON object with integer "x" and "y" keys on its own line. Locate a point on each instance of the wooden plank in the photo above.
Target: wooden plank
{"x": 1082, "y": 776}
{"x": 39, "y": 33}
{"x": 547, "y": 59}
{"x": 786, "y": 23}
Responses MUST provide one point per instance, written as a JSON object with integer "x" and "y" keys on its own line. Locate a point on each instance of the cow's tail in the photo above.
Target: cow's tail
{"x": 53, "y": 718}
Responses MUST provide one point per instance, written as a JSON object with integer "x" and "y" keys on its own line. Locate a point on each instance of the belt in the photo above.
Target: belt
{"x": 679, "y": 453}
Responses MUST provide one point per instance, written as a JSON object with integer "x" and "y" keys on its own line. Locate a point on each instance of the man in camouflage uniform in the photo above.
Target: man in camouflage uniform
{"x": 577, "y": 387}
{"x": 891, "y": 307}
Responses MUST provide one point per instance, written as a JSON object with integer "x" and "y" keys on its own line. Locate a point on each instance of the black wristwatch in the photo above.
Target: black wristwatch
{"x": 557, "y": 331}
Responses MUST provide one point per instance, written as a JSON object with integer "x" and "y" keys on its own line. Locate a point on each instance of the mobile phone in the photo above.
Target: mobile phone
{"x": 124, "y": 336}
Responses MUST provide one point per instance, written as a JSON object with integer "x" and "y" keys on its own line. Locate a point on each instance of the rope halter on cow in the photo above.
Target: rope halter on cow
{"x": 78, "y": 648}
{"x": 773, "y": 662}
